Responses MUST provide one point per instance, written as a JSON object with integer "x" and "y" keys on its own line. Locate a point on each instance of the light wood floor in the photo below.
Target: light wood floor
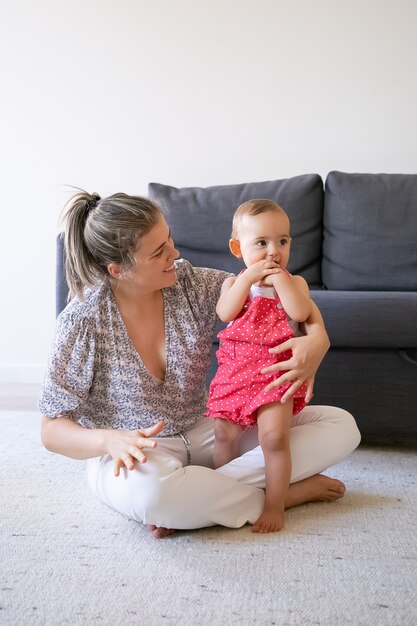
{"x": 16, "y": 397}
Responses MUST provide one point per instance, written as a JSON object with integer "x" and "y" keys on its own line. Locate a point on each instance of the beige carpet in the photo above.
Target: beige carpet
{"x": 67, "y": 559}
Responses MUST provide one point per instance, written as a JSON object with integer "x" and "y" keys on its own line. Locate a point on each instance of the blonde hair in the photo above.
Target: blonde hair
{"x": 253, "y": 207}
{"x": 99, "y": 231}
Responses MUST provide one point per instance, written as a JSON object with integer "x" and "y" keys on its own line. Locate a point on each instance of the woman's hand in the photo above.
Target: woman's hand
{"x": 307, "y": 353}
{"x": 126, "y": 446}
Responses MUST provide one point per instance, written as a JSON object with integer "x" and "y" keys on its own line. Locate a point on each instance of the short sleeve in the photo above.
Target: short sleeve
{"x": 202, "y": 284}
{"x": 70, "y": 369}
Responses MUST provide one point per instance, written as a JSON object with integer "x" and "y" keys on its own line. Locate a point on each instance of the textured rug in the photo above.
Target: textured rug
{"x": 68, "y": 559}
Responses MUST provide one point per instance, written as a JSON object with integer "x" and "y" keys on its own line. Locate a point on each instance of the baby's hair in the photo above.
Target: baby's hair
{"x": 100, "y": 231}
{"x": 253, "y": 207}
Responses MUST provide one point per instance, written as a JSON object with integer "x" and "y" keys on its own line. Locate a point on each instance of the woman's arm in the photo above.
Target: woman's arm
{"x": 63, "y": 436}
{"x": 308, "y": 352}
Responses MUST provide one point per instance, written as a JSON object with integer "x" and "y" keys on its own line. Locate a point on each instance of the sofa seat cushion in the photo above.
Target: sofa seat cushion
{"x": 201, "y": 219}
{"x": 375, "y": 385}
{"x": 370, "y": 232}
{"x": 369, "y": 319}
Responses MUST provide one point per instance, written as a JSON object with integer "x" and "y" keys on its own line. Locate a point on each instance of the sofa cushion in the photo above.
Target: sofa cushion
{"x": 370, "y": 232}
{"x": 201, "y": 220}
{"x": 364, "y": 319}
{"x": 376, "y": 386}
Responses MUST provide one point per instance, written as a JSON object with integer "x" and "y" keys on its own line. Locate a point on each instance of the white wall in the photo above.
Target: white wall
{"x": 111, "y": 94}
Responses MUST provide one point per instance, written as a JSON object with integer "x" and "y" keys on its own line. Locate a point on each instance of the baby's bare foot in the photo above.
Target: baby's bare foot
{"x": 160, "y": 532}
{"x": 269, "y": 521}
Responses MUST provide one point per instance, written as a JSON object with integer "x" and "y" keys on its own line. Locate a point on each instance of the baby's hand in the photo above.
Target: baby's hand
{"x": 271, "y": 279}
{"x": 261, "y": 270}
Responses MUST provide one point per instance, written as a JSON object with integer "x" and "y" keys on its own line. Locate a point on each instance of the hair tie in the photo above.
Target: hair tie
{"x": 91, "y": 203}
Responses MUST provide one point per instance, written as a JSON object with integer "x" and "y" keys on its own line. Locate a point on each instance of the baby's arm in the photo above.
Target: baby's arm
{"x": 235, "y": 290}
{"x": 232, "y": 298}
{"x": 294, "y": 294}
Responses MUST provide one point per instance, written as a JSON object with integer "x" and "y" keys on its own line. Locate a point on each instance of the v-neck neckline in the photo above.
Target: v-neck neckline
{"x": 152, "y": 377}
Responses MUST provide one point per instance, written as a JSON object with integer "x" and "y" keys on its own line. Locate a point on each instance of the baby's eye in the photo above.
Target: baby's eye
{"x": 261, "y": 243}
{"x": 283, "y": 241}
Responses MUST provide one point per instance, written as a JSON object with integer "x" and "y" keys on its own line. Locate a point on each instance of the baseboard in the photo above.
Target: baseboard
{"x": 22, "y": 374}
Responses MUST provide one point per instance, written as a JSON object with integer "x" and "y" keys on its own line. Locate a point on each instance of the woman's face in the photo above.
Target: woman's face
{"x": 155, "y": 256}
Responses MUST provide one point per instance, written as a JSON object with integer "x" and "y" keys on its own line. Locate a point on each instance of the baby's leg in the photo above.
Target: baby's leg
{"x": 274, "y": 436}
{"x": 226, "y": 441}
{"x": 320, "y": 436}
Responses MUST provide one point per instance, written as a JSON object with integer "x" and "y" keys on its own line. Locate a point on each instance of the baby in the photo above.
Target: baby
{"x": 264, "y": 305}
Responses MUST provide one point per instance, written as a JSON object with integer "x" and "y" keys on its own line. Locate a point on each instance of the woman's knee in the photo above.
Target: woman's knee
{"x": 351, "y": 428}
{"x": 142, "y": 493}
{"x": 338, "y": 422}
{"x": 345, "y": 420}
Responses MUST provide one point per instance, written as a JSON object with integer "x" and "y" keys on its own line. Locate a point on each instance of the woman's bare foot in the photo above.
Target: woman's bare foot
{"x": 270, "y": 521}
{"x": 160, "y": 532}
{"x": 317, "y": 488}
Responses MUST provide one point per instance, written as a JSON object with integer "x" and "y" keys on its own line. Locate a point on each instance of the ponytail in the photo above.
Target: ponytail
{"x": 102, "y": 231}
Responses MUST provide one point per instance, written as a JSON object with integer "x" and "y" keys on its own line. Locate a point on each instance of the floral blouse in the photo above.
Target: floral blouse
{"x": 96, "y": 377}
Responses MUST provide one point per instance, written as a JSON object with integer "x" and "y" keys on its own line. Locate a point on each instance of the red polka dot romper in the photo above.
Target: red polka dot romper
{"x": 238, "y": 388}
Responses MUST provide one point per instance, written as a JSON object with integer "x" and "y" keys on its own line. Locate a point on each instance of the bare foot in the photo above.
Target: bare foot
{"x": 270, "y": 521}
{"x": 160, "y": 532}
{"x": 317, "y": 488}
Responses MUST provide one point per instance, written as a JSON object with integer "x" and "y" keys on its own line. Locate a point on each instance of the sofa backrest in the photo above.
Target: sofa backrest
{"x": 61, "y": 286}
{"x": 201, "y": 219}
{"x": 365, "y": 238}
{"x": 370, "y": 232}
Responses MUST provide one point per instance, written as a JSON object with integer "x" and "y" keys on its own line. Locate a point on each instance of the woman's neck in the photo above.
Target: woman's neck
{"x": 134, "y": 300}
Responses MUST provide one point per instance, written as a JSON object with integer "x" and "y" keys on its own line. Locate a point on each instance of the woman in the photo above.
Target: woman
{"x": 129, "y": 362}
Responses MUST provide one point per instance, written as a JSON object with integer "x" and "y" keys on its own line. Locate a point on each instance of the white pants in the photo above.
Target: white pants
{"x": 176, "y": 487}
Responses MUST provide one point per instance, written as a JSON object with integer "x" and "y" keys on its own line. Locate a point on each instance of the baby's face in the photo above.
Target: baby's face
{"x": 265, "y": 236}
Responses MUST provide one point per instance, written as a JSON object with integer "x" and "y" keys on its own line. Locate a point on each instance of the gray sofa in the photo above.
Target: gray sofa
{"x": 355, "y": 242}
